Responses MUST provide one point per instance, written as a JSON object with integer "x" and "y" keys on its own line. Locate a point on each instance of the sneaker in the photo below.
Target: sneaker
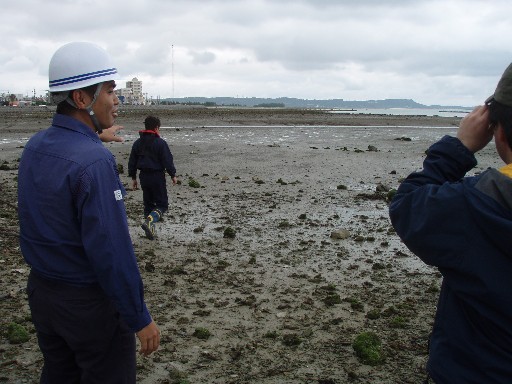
{"x": 149, "y": 229}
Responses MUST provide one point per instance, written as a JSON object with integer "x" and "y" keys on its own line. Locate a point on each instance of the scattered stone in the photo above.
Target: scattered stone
{"x": 284, "y": 224}
{"x": 209, "y": 356}
{"x": 340, "y": 234}
{"x": 382, "y": 188}
{"x": 401, "y": 254}
{"x": 355, "y": 304}
{"x": 291, "y": 340}
{"x": 202, "y": 312}
{"x": 6, "y": 167}
{"x": 149, "y": 267}
{"x": 373, "y": 314}
{"x": 229, "y": 233}
{"x": 271, "y": 335}
{"x": 378, "y": 266}
{"x": 332, "y": 299}
{"x": 177, "y": 375}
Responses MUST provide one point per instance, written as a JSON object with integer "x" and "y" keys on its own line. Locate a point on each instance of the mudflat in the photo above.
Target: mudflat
{"x": 276, "y": 253}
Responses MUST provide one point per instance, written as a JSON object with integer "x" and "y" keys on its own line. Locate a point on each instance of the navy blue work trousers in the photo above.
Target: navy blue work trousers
{"x": 154, "y": 191}
{"x": 80, "y": 333}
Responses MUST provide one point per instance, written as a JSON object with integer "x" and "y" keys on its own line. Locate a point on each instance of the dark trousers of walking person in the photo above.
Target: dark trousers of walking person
{"x": 80, "y": 334}
{"x": 154, "y": 191}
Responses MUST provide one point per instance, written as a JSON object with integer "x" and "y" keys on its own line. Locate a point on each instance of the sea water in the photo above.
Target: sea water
{"x": 287, "y": 133}
{"x": 444, "y": 112}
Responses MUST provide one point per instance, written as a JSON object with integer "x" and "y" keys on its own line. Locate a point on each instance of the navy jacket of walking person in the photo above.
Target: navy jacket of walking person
{"x": 85, "y": 291}
{"x": 151, "y": 155}
{"x": 462, "y": 224}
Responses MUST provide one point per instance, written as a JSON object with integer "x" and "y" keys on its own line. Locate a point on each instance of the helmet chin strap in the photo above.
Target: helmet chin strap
{"x": 89, "y": 110}
{"x": 94, "y": 119}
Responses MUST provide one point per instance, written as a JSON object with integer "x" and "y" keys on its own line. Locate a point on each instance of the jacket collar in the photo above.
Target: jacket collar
{"x": 68, "y": 122}
{"x": 148, "y": 132}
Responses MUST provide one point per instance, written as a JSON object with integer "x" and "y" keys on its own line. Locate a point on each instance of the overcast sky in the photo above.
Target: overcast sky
{"x": 446, "y": 52}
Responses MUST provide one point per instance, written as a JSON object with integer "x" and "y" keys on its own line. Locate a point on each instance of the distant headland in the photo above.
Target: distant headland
{"x": 290, "y": 102}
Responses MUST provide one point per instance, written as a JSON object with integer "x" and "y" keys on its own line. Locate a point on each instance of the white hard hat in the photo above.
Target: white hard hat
{"x": 78, "y": 65}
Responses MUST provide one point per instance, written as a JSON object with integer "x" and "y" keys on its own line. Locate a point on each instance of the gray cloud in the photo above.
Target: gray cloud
{"x": 202, "y": 57}
{"x": 436, "y": 52}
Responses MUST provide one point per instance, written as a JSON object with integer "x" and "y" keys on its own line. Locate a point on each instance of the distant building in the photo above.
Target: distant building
{"x": 125, "y": 95}
{"x": 132, "y": 94}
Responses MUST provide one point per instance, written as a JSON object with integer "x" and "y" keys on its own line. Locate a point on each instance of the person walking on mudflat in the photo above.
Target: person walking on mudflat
{"x": 463, "y": 226}
{"x": 151, "y": 155}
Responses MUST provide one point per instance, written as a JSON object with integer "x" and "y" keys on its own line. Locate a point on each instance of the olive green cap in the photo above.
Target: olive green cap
{"x": 503, "y": 92}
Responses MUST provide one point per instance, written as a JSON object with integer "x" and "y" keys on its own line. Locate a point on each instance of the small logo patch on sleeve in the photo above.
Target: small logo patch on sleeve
{"x": 118, "y": 194}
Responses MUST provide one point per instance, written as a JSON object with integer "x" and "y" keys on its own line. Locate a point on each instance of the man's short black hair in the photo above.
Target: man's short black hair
{"x": 501, "y": 113}
{"x": 151, "y": 122}
{"x": 65, "y": 108}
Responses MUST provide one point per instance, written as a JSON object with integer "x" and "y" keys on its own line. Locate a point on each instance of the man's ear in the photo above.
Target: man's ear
{"x": 499, "y": 134}
{"x": 80, "y": 98}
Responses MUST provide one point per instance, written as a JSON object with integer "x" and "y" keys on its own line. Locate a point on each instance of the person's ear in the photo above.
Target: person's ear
{"x": 80, "y": 98}
{"x": 499, "y": 133}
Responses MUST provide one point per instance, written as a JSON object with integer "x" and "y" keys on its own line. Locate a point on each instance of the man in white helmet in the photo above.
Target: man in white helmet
{"x": 85, "y": 290}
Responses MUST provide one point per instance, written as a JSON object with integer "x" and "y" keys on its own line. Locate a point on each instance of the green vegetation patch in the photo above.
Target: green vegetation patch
{"x": 291, "y": 340}
{"x": 368, "y": 348}
{"x": 202, "y": 333}
{"x": 398, "y": 322}
{"x": 17, "y": 334}
{"x": 229, "y": 233}
{"x": 192, "y": 183}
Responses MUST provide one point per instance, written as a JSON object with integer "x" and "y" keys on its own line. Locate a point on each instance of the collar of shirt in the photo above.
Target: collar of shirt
{"x": 67, "y": 122}
{"x": 149, "y": 132}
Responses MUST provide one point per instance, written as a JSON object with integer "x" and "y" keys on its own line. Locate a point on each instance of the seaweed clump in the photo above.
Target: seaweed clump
{"x": 368, "y": 348}
{"x": 17, "y": 334}
{"x": 229, "y": 233}
{"x": 202, "y": 333}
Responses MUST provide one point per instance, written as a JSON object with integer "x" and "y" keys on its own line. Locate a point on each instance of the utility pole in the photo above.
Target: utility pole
{"x": 172, "y": 69}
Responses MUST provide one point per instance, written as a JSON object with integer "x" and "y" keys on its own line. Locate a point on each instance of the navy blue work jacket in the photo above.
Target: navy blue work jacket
{"x": 73, "y": 225}
{"x": 150, "y": 153}
{"x": 463, "y": 226}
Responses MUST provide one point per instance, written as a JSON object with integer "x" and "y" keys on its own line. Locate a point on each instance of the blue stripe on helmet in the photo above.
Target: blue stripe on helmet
{"x": 85, "y": 76}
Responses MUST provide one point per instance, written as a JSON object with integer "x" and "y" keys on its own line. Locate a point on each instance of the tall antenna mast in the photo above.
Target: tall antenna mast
{"x": 172, "y": 69}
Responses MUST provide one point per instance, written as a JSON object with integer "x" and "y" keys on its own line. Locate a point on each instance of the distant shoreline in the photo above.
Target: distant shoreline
{"x": 31, "y": 119}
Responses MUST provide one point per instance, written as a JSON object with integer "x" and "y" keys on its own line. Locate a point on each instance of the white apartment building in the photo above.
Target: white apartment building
{"x": 132, "y": 94}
